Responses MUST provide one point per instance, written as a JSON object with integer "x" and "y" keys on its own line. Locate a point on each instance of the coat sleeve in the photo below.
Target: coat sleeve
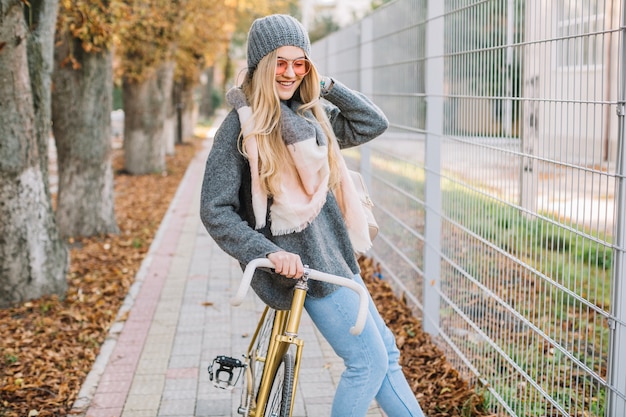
{"x": 222, "y": 210}
{"x": 354, "y": 117}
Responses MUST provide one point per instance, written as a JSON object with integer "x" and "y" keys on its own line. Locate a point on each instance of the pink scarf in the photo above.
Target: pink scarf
{"x": 305, "y": 182}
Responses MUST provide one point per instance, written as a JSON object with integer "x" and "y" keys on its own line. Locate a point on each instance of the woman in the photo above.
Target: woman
{"x": 276, "y": 186}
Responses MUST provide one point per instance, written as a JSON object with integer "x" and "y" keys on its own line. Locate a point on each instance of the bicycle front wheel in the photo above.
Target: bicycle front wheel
{"x": 256, "y": 362}
{"x": 279, "y": 399}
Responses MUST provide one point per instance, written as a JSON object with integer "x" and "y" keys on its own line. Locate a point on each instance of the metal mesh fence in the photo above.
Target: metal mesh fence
{"x": 499, "y": 188}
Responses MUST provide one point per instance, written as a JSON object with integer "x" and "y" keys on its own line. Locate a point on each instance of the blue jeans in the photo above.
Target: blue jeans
{"x": 371, "y": 359}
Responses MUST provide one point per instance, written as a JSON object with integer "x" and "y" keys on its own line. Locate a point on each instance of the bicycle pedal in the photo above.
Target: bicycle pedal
{"x": 225, "y": 371}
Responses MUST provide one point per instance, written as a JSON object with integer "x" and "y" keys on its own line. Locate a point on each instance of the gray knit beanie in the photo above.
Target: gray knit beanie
{"x": 272, "y": 32}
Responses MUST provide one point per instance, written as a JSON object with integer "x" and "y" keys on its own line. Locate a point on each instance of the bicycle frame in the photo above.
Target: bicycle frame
{"x": 284, "y": 335}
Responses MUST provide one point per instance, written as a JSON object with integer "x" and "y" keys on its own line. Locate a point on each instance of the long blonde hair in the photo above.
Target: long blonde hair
{"x": 260, "y": 90}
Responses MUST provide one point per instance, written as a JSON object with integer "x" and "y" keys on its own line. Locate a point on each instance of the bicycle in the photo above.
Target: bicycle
{"x": 272, "y": 361}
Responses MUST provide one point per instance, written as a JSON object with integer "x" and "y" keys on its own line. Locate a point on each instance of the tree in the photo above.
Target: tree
{"x": 205, "y": 33}
{"x": 33, "y": 258}
{"x": 146, "y": 42}
{"x": 81, "y": 110}
{"x": 323, "y": 26}
{"x": 209, "y": 98}
{"x": 159, "y": 40}
{"x": 247, "y": 11}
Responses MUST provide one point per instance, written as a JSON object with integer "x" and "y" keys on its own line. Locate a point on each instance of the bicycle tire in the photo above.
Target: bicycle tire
{"x": 254, "y": 371}
{"x": 279, "y": 399}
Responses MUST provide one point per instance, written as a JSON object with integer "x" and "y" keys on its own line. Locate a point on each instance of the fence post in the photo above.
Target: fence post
{"x": 508, "y": 104}
{"x": 367, "y": 86}
{"x": 434, "y": 67}
{"x": 617, "y": 354}
{"x": 332, "y": 67}
{"x": 319, "y": 53}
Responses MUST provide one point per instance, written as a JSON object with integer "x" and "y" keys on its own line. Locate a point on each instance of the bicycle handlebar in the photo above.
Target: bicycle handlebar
{"x": 312, "y": 274}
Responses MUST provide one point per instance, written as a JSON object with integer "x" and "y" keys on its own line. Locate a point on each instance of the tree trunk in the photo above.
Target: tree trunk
{"x": 145, "y": 109}
{"x": 189, "y": 109}
{"x": 207, "y": 106}
{"x": 33, "y": 259}
{"x": 82, "y": 101}
{"x": 169, "y": 133}
{"x": 170, "y": 122}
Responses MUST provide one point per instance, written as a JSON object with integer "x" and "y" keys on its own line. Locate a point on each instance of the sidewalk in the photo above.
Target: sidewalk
{"x": 177, "y": 317}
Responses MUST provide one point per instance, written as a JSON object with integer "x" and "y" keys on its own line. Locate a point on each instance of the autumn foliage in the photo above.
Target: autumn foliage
{"x": 440, "y": 389}
{"x": 92, "y": 23}
{"x": 202, "y": 39}
{"x": 144, "y": 34}
{"x": 49, "y": 345}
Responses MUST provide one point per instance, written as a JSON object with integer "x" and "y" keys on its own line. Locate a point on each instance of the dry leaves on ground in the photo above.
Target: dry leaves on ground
{"x": 49, "y": 345}
{"x": 438, "y": 386}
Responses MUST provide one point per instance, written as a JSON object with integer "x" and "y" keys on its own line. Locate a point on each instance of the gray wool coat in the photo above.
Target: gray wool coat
{"x": 226, "y": 204}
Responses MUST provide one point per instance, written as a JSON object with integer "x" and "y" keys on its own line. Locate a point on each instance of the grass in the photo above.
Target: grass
{"x": 554, "y": 275}
{"x": 564, "y": 272}
{"x": 568, "y": 257}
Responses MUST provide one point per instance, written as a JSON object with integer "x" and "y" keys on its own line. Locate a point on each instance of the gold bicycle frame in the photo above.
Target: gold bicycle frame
{"x": 284, "y": 334}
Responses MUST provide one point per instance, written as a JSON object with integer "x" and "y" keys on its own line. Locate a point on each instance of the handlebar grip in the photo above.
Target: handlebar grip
{"x": 247, "y": 278}
{"x": 312, "y": 274}
{"x": 354, "y": 286}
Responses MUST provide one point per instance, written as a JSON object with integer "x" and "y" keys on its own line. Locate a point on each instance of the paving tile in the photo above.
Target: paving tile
{"x": 147, "y": 385}
{"x": 180, "y": 394}
{"x": 181, "y": 384}
{"x": 148, "y": 402}
{"x": 213, "y": 408}
{"x": 115, "y": 375}
{"x": 184, "y": 361}
{"x": 109, "y": 399}
{"x": 183, "y": 373}
{"x": 318, "y": 409}
{"x": 152, "y": 366}
{"x": 139, "y": 413}
{"x": 187, "y": 349}
{"x": 104, "y": 412}
{"x": 110, "y": 386}
{"x": 177, "y": 407}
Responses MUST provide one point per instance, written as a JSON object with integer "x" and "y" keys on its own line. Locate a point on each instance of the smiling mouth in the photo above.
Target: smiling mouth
{"x": 286, "y": 83}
